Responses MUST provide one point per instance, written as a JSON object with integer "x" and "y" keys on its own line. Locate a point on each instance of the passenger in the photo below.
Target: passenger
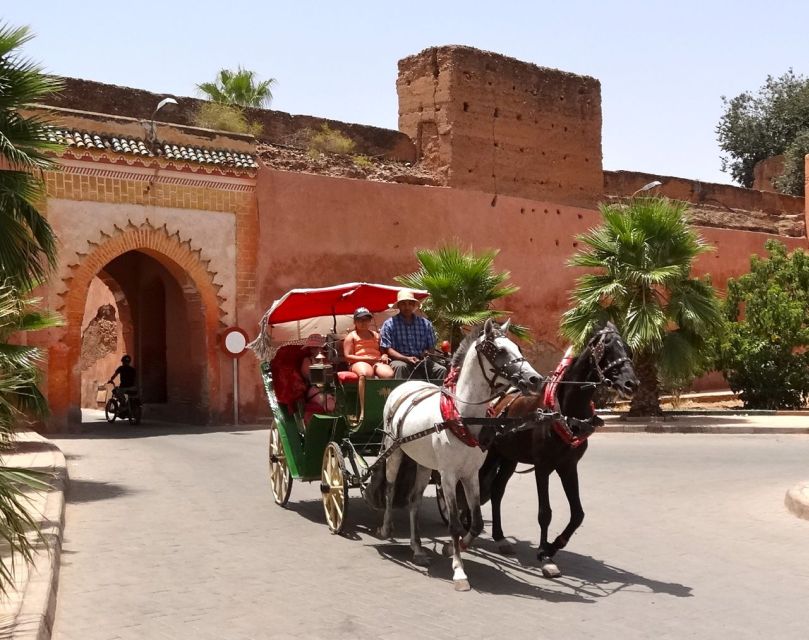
{"x": 361, "y": 348}
{"x": 316, "y": 400}
{"x": 407, "y": 339}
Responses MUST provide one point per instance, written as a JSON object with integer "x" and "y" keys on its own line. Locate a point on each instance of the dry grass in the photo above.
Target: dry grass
{"x": 225, "y": 117}
{"x": 328, "y": 140}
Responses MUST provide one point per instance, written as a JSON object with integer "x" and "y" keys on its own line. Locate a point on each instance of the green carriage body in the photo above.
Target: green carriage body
{"x": 331, "y": 447}
{"x": 304, "y": 444}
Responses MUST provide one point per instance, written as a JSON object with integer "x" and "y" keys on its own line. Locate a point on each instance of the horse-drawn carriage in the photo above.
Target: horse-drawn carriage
{"x": 445, "y": 428}
{"x": 326, "y": 443}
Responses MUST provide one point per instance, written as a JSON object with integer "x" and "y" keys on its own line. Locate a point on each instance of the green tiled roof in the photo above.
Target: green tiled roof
{"x": 138, "y": 147}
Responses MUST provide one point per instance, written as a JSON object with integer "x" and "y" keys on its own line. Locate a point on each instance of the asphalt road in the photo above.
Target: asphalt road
{"x": 171, "y": 532}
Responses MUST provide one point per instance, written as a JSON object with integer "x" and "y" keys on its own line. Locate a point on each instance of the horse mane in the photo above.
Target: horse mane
{"x": 466, "y": 343}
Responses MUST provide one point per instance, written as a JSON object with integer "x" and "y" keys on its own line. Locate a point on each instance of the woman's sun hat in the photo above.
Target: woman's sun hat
{"x": 315, "y": 340}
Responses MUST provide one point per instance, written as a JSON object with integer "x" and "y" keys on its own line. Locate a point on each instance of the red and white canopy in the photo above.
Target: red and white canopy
{"x": 302, "y": 312}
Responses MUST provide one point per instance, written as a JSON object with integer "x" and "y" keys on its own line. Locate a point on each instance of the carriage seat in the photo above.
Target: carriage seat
{"x": 347, "y": 377}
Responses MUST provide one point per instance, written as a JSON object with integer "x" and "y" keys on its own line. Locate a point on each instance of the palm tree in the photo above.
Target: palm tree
{"x": 238, "y": 88}
{"x": 19, "y": 397}
{"x": 27, "y": 243}
{"x": 462, "y": 287}
{"x": 643, "y": 254}
{"x": 27, "y": 254}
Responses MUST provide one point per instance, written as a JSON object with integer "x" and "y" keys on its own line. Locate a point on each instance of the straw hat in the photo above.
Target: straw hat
{"x": 405, "y": 295}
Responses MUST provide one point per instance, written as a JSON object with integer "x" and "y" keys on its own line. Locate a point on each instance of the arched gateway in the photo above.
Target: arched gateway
{"x": 174, "y": 310}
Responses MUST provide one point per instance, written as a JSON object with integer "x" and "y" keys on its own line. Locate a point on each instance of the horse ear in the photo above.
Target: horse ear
{"x": 505, "y": 326}
{"x": 487, "y": 328}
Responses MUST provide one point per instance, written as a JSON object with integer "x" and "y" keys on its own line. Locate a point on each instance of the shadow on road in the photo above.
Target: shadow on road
{"x": 585, "y": 579}
{"x": 89, "y": 491}
{"x": 123, "y": 431}
{"x": 583, "y": 574}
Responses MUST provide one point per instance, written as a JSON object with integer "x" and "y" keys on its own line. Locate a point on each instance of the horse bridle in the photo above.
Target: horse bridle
{"x": 597, "y": 353}
{"x": 509, "y": 370}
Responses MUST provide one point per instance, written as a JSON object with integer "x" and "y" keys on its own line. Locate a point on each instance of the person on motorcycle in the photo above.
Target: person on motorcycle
{"x": 408, "y": 338}
{"x": 128, "y": 385}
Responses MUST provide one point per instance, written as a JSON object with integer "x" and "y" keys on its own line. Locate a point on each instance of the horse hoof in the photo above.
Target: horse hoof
{"x": 462, "y": 585}
{"x": 504, "y": 547}
{"x": 384, "y": 534}
{"x": 421, "y": 559}
{"x": 550, "y": 570}
{"x": 446, "y": 550}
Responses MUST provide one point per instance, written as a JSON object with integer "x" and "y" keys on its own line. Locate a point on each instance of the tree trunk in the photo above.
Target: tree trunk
{"x": 646, "y": 400}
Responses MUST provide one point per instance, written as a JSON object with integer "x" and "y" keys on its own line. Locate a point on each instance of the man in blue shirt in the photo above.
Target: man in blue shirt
{"x": 407, "y": 338}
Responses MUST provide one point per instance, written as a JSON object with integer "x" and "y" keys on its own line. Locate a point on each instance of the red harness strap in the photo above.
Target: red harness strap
{"x": 450, "y": 413}
{"x": 550, "y": 400}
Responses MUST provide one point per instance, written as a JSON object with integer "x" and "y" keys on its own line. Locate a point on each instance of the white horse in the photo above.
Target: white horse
{"x": 486, "y": 364}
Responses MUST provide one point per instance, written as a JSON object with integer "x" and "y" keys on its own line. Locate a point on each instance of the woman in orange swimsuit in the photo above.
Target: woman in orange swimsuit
{"x": 361, "y": 348}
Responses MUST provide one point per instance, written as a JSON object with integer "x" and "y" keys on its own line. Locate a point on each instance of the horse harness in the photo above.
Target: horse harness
{"x": 561, "y": 426}
{"x": 453, "y": 421}
{"x": 597, "y": 352}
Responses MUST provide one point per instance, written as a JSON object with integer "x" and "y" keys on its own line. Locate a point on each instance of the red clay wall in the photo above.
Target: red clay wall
{"x": 500, "y": 125}
{"x": 317, "y": 231}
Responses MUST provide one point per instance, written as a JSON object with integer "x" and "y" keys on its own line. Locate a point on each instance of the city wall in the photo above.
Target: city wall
{"x": 517, "y": 149}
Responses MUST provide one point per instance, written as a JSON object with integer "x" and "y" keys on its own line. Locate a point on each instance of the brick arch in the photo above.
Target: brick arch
{"x": 185, "y": 264}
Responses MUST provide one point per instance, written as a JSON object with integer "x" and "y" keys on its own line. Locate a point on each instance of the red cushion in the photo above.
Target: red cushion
{"x": 347, "y": 377}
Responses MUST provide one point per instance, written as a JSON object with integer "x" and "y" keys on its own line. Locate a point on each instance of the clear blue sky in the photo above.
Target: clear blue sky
{"x": 663, "y": 66}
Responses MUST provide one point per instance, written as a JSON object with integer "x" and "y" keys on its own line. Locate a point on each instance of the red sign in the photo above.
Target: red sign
{"x": 234, "y": 342}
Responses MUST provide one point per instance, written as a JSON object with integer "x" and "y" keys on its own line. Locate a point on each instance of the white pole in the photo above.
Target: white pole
{"x": 235, "y": 391}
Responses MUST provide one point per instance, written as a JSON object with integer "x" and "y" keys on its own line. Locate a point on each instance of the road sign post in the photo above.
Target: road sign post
{"x": 234, "y": 344}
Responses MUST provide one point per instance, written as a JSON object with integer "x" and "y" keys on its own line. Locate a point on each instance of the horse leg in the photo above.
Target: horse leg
{"x": 391, "y": 472}
{"x": 544, "y": 553}
{"x": 420, "y": 556}
{"x": 504, "y": 473}
{"x": 456, "y": 531}
{"x": 570, "y": 483}
{"x": 472, "y": 490}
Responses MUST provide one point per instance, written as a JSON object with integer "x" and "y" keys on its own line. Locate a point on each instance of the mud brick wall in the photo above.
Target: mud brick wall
{"x": 278, "y": 127}
{"x": 496, "y": 124}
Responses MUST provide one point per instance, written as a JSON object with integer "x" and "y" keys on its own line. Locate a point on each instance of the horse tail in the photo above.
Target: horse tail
{"x": 374, "y": 493}
{"x": 405, "y": 481}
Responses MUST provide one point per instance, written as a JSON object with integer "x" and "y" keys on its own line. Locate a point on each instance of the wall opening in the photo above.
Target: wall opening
{"x": 143, "y": 304}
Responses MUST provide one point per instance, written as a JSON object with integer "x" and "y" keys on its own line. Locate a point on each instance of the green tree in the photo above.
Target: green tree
{"x": 27, "y": 255}
{"x": 463, "y": 287}
{"x": 758, "y": 126}
{"x": 763, "y": 351}
{"x": 27, "y": 243}
{"x": 20, "y": 397}
{"x": 642, "y": 256}
{"x": 239, "y": 88}
{"x": 793, "y": 178}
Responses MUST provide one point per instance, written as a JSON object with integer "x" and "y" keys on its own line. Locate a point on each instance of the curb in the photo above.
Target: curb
{"x": 690, "y": 428}
{"x": 797, "y": 500}
{"x": 35, "y": 616}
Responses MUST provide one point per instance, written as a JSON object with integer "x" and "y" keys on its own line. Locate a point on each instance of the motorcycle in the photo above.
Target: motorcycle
{"x": 123, "y": 405}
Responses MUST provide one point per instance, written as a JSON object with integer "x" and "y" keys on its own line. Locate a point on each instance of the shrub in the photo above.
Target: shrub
{"x": 329, "y": 140}
{"x": 364, "y": 162}
{"x": 762, "y": 353}
{"x": 225, "y": 117}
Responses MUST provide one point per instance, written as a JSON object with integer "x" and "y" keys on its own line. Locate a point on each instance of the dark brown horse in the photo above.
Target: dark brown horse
{"x": 556, "y": 446}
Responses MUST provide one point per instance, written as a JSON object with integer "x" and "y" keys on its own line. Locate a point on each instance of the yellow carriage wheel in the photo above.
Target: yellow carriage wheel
{"x": 334, "y": 487}
{"x": 280, "y": 475}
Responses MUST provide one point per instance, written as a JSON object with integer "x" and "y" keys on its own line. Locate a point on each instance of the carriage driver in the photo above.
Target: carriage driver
{"x": 128, "y": 379}
{"x": 407, "y": 338}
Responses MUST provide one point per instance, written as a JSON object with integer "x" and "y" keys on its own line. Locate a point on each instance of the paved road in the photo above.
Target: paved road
{"x": 172, "y": 533}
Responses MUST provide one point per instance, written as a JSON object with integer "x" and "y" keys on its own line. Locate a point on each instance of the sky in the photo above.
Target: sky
{"x": 663, "y": 66}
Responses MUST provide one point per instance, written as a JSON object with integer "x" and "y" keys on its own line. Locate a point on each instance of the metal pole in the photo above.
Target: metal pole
{"x": 235, "y": 391}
